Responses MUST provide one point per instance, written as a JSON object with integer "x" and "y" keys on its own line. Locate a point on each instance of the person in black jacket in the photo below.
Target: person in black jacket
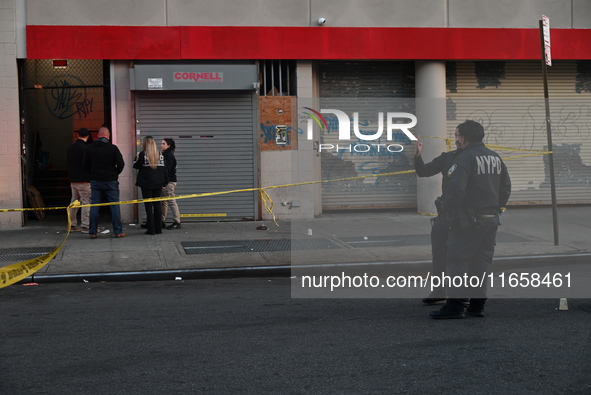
{"x": 168, "y": 146}
{"x": 478, "y": 186}
{"x": 440, "y": 224}
{"x": 79, "y": 181}
{"x": 151, "y": 178}
{"x": 104, "y": 162}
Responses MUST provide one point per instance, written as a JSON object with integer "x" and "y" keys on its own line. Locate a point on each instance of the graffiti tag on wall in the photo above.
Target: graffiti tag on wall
{"x": 66, "y": 98}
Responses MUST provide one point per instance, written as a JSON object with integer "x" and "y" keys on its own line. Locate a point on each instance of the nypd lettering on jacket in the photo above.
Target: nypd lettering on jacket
{"x": 150, "y": 178}
{"x": 488, "y": 164}
{"x": 478, "y": 180}
{"x": 160, "y": 161}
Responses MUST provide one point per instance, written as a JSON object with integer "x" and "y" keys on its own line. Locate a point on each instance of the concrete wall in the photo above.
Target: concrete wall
{"x": 237, "y": 13}
{"x": 394, "y": 13}
{"x": 294, "y": 166}
{"x": 400, "y": 13}
{"x": 91, "y": 12}
{"x": 511, "y": 13}
{"x": 581, "y": 12}
{"x": 10, "y": 155}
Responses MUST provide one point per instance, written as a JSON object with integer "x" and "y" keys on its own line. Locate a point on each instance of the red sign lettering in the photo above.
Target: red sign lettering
{"x": 199, "y": 77}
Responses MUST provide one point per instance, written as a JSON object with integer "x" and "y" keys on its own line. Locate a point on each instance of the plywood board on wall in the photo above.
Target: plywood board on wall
{"x": 278, "y": 111}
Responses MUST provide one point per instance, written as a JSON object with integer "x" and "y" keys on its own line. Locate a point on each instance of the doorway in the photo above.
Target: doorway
{"x": 57, "y": 98}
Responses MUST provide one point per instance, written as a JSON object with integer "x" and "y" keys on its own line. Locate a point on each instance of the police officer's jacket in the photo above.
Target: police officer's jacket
{"x": 441, "y": 164}
{"x": 170, "y": 161}
{"x": 147, "y": 177}
{"x": 477, "y": 180}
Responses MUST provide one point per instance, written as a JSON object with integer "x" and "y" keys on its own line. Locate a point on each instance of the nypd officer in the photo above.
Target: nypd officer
{"x": 477, "y": 188}
{"x": 440, "y": 224}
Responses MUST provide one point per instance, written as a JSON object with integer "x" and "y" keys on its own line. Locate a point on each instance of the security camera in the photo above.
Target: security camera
{"x": 321, "y": 21}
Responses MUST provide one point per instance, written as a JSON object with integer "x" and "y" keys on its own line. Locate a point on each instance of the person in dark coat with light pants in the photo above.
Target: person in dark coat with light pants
{"x": 79, "y": 181}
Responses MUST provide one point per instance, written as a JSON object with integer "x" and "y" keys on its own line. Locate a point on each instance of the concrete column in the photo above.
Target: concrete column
{"x": 307, "y": 153}
{"x": 124, "y": 135}
{"x": 431, "y": 117}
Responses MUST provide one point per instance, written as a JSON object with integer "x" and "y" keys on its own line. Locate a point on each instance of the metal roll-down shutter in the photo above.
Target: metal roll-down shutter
{"x": 215, "y": 148}
{"x": 508, "y": 99}
{"x": 367, "y": 88}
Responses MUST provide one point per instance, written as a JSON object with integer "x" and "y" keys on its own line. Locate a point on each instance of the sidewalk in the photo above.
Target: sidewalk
{"x": 342, "y": 238}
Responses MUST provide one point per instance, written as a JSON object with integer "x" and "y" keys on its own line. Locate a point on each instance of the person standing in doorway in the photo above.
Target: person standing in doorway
{"x": 168, "y": 146}
{"x": 104, "y": 162}
{"x": 79, "y": 181}
{"x": 151, "y": 178}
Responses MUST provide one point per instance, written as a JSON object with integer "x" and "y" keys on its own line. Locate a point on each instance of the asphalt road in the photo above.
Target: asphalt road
{"x": 234, "y": 336}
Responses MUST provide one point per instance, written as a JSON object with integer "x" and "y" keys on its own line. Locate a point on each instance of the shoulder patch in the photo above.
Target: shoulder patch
{"x": 452, "y": 169}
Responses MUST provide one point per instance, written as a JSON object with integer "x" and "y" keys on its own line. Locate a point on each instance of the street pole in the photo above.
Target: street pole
{"x": 549, "y": 130}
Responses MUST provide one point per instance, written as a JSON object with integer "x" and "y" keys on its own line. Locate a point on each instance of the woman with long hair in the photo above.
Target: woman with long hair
{"x": 151, "y": 178}
{"x": 168, "y": 146}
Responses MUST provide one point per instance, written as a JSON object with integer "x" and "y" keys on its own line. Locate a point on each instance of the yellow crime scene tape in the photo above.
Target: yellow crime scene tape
{"x": 14, "y": 273}
{"x": 19, "y": 271}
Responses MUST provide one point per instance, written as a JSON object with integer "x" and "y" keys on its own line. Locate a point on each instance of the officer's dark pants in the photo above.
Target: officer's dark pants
{"x": 439, "y": 234}
{"x": 469, "y": 253}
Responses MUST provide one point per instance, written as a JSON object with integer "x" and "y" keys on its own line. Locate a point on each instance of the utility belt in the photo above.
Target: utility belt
{"x": 461, "y": 218}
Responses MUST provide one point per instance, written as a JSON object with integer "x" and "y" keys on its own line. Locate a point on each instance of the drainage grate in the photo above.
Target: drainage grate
{"x": 233, "y": 246}
{"x": 22, "y": 254}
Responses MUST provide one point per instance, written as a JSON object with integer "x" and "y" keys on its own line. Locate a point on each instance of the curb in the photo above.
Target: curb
{"x": 501, "y": 263}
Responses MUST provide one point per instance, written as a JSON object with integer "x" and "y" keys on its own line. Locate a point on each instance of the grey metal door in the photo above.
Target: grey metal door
{"x": 367, "y": 87}
{"x": 215, "y": 148}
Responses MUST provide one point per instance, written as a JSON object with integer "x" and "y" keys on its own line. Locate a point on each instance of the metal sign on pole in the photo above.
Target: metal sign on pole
{"x": 546, "y": 37}
{"x": 547, "y": 61}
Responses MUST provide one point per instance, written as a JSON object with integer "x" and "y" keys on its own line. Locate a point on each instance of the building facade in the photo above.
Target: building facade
{"x": 246, "y": 88}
